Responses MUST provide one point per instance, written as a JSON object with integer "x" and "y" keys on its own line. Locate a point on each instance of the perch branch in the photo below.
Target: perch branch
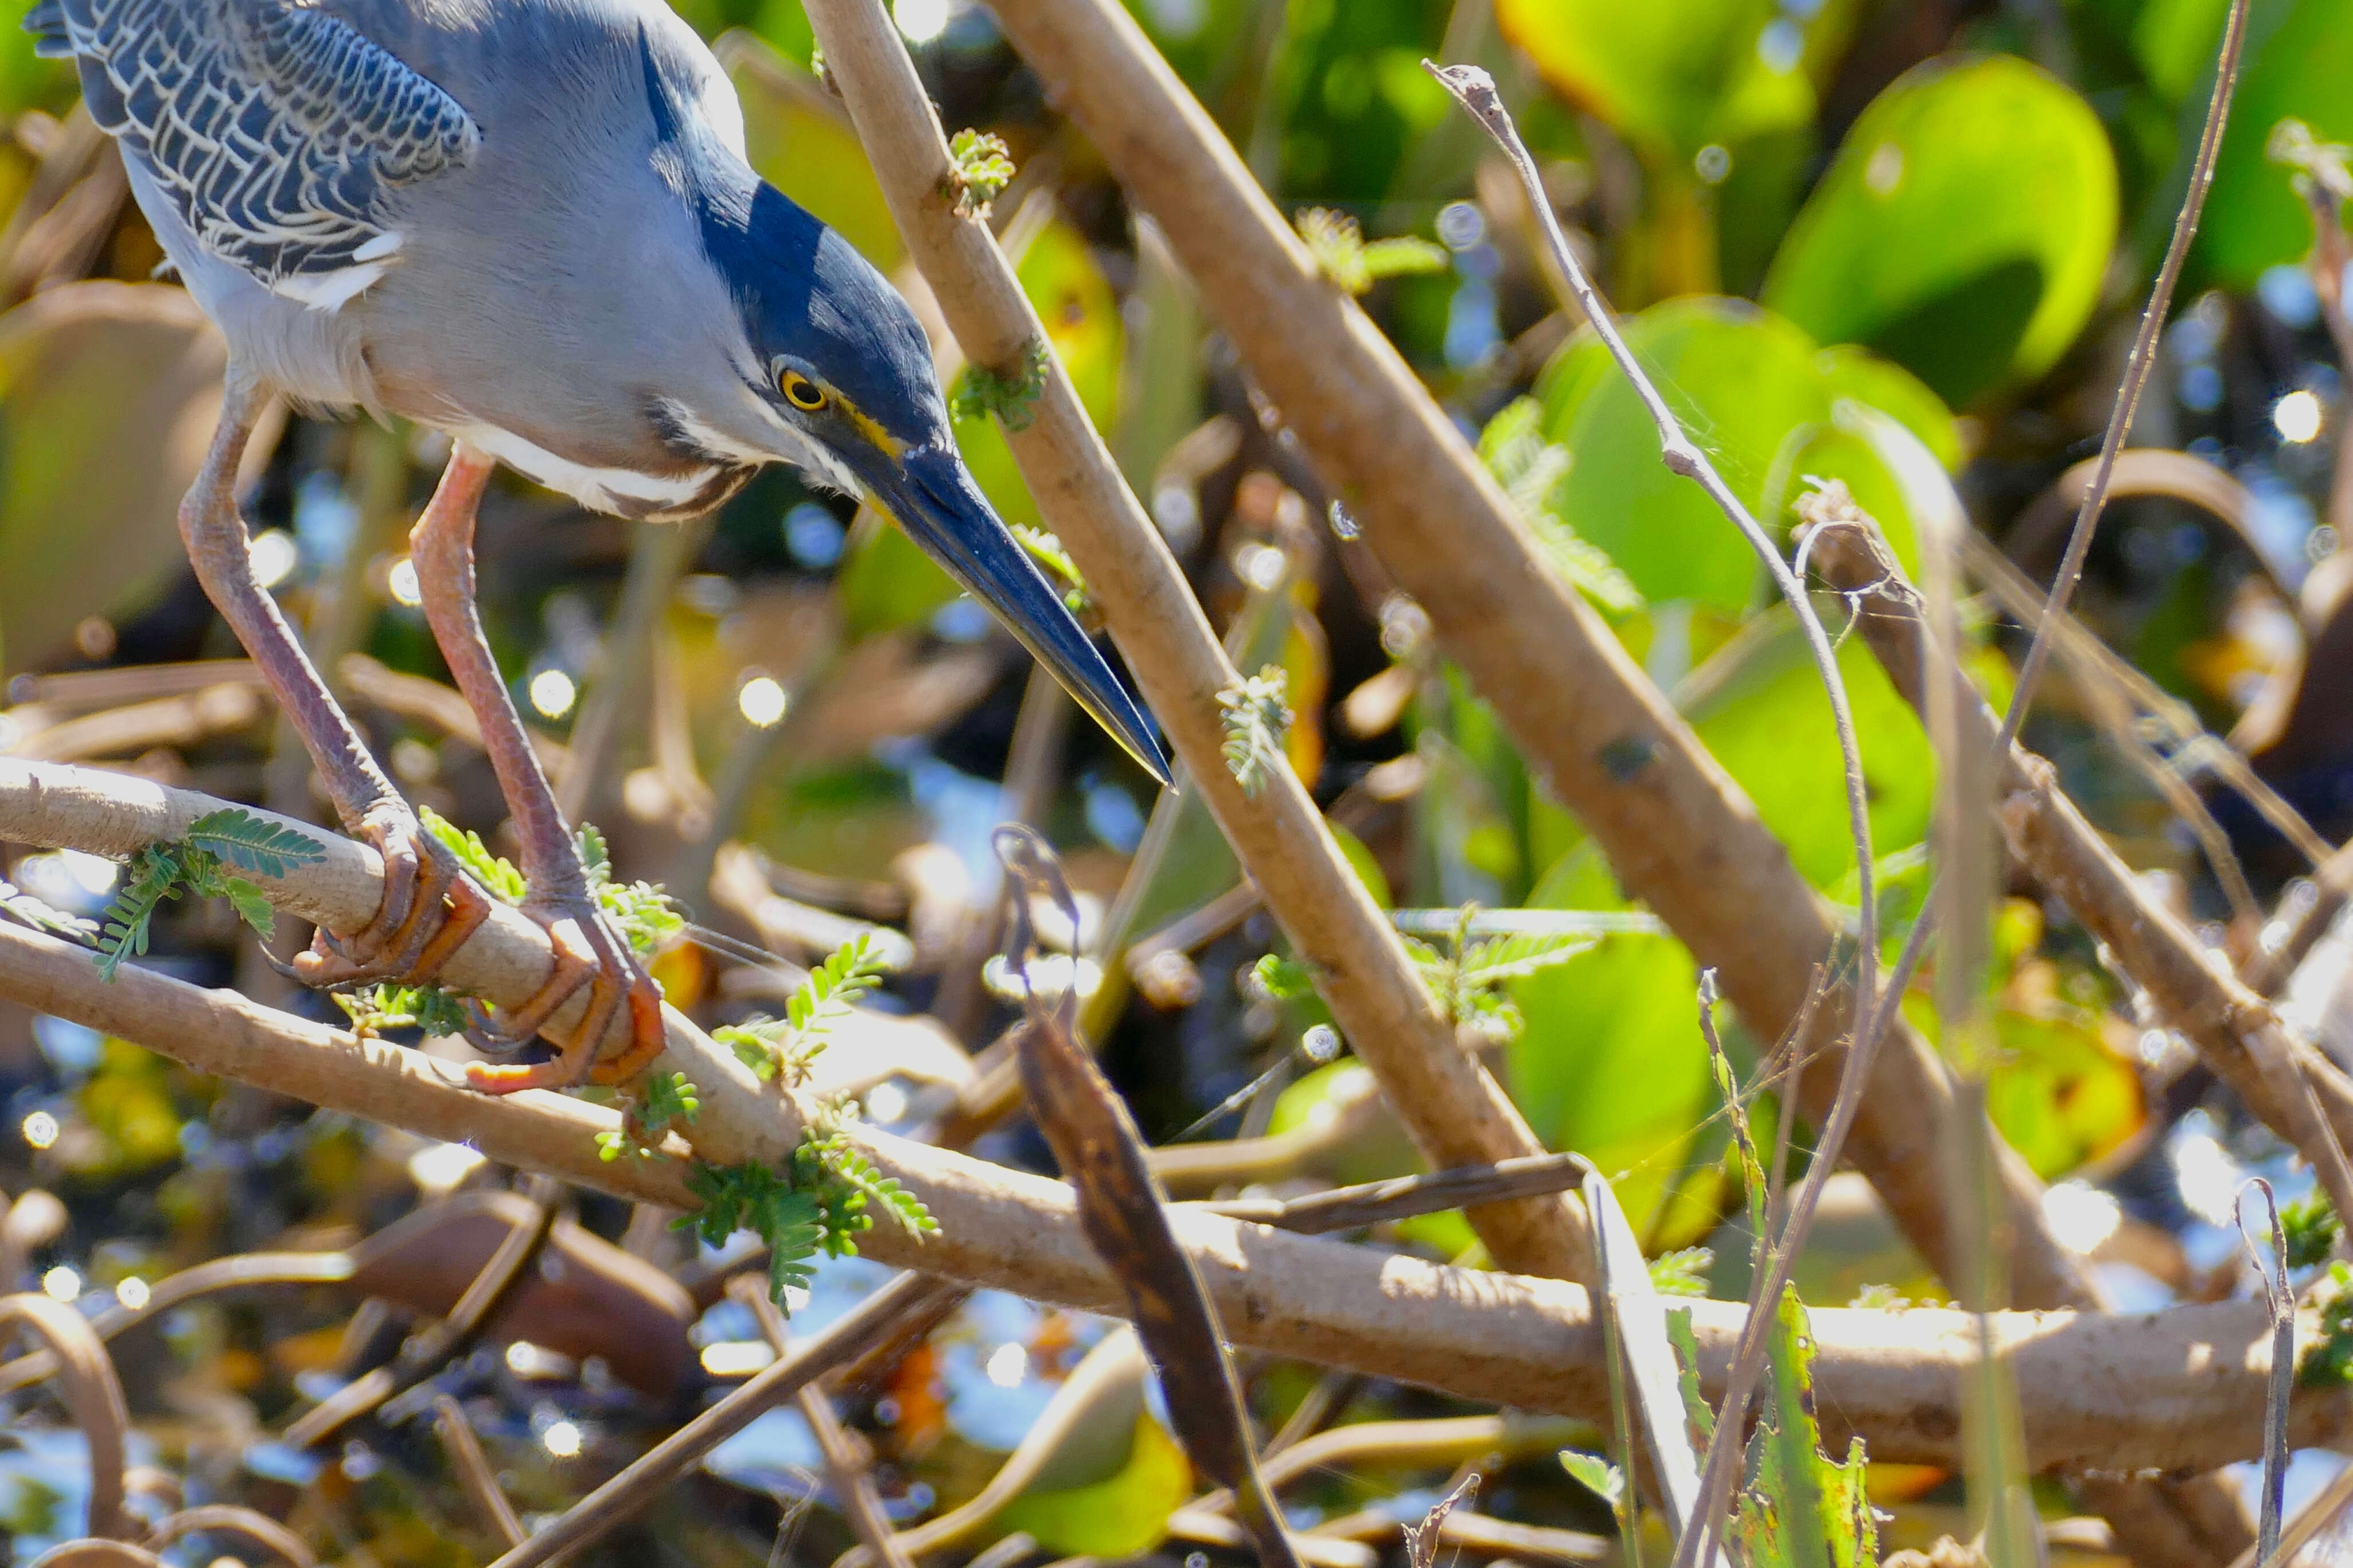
{"x": 2173, "y": 1389}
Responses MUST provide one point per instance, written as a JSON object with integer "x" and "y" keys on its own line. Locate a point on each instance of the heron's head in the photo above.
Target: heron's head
{"x": 835, "y": 378}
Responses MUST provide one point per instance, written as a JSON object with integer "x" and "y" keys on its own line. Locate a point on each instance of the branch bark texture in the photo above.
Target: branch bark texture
{"x": 1454, "y": 1109}
{"x": 1679, "y": 832}
{"x": 2183, "y": 1388}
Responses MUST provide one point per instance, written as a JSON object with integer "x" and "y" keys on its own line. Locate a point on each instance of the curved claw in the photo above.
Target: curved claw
{"x": 588, "y": 953}
{"x": 428, "y": 909}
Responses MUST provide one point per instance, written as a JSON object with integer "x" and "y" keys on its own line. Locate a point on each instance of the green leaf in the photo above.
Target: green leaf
{"x": 251, "y": 906}
{"x": 2312, "y": 1231}
{"x": 1123, "y": 1515}
{"x": 983, "y": 167}
{"x": 1682, "y": 1272}
{"x": 251, "y": 844}
{"x": 1700, "y": 1419}
{"x": 1962, "y": 230}
{"x": 1350, "y": 264}
{"x": 1671, "y": 76}
{"x": 1759, "y": 706}
{"x": 1801, "y": 1508}
{"x": 1530, "y": 468}
{"x": 2299, "y": 58}
{"x": 497, "y": 875}
{"x": 1742, "y": 380}
{"x": 1596, "y": 1474}
{"x": 1610, "y": 1062}
{"x": 32, "y": 912}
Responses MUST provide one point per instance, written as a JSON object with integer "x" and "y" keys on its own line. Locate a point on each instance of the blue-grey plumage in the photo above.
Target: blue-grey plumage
{"x": 529, "y": 224}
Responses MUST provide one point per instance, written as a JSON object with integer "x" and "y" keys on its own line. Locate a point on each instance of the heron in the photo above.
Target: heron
{"x": 529, "y": 225}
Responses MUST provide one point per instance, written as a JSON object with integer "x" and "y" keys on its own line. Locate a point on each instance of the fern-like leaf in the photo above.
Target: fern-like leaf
{"x": 1503, "y": 958}
{"x": 241, "y": 840}
{"x": 497, "y": 875}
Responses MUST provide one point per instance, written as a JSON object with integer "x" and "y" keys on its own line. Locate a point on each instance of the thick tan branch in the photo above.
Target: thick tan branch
{"x": 1456, "y": 1112}
{"x": 2296, "y": 1091}
{"x": 1679, "y": 832}
{"x": 2181, "y": 1388}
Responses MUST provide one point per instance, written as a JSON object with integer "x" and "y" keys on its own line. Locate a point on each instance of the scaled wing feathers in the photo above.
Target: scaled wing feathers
{"x": 276, "y": 129}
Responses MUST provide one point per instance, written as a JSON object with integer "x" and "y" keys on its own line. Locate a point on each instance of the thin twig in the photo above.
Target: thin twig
{"x": 1476, "y": 92}
{"x": 1402, "y": 1197}
{"x": 472, "y": 1468}
{"x": 668, "y": 1461}
{"x": 2279, "y": 1301}
{"x": 846, "y": 1461}
{"x": 2137, "y": 368}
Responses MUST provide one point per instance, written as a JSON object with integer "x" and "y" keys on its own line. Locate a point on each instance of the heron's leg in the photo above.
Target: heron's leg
{"x": 588, "y": 951}
{"x": 413, "y": 931}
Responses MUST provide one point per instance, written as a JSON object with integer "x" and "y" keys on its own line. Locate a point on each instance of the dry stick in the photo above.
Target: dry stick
{"x": 2137, "y": 368}
{"x": 1456, "y": 1112}
{"x": 1476, "y": 92}
{"x": 1402, "y": 1197}
{"x": 430, "y": 1348}
{"x": 846, "y": 1462}
{"x": 232, "y": 1519}
{"x": 2289, "y": 1085}
{"x": 1125, "y": 1216}
{"x": 2313, "y": 1517}
{"x": 2181, "y": 1388}
{"x": 664, "y": 1464}
{"x": 2279, "y": 1300}
{"x": 476, "y": 1478}
{"x": 1677, "y": 830}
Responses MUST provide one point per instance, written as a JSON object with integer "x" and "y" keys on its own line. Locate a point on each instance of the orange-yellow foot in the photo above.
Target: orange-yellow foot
{"x": 428, "y": 909}
{"x": 588, "y": 953}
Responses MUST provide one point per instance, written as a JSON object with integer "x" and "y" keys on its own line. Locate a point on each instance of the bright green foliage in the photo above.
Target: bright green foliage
{"x": 983, "y": 167}
{"x": 663, "y": 1097}
{"x": 2329, "y": 1362}
{"x": 819, "y": 1203}
{"x": 1283, "y": 979}
{"x": 203, "y": 864}
{"x": 1257, "y": 713}
{"x": 1682, "y": 1272}
{"x": 1351, "y": 264}
{"x": 1671, "y": 76}
{"x": 1596, "y": 1474}
{"x": 1047, "y": 552}
{"x": 2312, "y": 1231}
{"x": 755, "y": 1198}
{"x": 1468, "y": 981}
{"x": 241, "y": 840}
{"x": 1696, "y": 1414}
{"x": 2299, "y": 57}
{"x": 1761, "y": 395}
{"x": 1962, "y": 230}
{"x": 980, "y": 392}
{"x": 496, "y": 874}
{"x": 1121, "y": 1515}
{"x": 426, "y": 1007}
{"x": 1798, "y": 1507}
{"x": 773, "y": 1047}
{"x": 647, "y": 917}
{"x": 22, "y": 906}
{"x": 1530, "y": 469}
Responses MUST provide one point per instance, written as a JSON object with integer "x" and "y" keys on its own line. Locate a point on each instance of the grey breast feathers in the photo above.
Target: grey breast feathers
{"x": 277, "y": 131}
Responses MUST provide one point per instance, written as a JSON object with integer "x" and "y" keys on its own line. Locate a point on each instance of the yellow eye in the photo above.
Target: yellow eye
{"x": 801, "y": 392}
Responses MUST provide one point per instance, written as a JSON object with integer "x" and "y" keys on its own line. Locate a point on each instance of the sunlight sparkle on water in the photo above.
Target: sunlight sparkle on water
{"x": 2296, "y": 417}
{"x": 921, "y": 20}
{"x": 553, "y": 693}
{"x": 61, "y": 1284}
{"x": 1007, "y": 1366}
{"x": 761, "y": 702}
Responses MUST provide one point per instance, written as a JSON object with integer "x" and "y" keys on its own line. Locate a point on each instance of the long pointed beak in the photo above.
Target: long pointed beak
{"x": 933, "y": 498}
